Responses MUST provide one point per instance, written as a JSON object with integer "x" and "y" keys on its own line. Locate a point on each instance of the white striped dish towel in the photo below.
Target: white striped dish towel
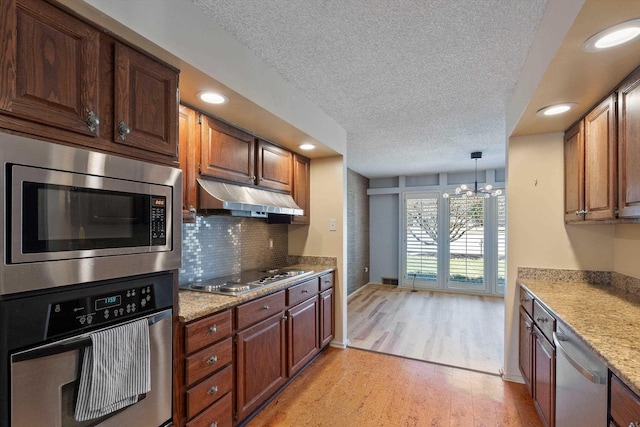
{"x": 115, "y": 370}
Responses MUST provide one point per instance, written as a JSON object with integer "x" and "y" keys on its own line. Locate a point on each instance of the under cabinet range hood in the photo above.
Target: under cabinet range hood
{"x": 245, "y": 201}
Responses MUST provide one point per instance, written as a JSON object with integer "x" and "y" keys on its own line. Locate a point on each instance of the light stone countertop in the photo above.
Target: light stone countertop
{"x": 194, "y": 305}
{"x": 605, "y": 317}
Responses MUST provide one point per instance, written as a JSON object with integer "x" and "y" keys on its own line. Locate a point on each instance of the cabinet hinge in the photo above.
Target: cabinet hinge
{"x": 199, "y": 119}
{"x": 199, "y": 168}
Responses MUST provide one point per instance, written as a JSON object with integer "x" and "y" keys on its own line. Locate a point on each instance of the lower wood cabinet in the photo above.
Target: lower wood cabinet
{"x": 624, "y": 405}
{"x": 261, "y": 363}
{"x": 237, "y": 359}
{"x": 537, "y": 355}
{"x": 302, "y": 334}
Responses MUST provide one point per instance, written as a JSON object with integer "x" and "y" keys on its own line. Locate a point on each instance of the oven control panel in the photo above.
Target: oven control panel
{"x": 96, "y": 310}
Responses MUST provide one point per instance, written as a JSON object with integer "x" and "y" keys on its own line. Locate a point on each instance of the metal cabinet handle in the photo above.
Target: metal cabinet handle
{"x": 524, "y": 300}
{"x": 213, "y": 390}
{"x": 284, "y": 317}
{"x": 212, "y": 330}
{"x": 213, "y": 425}
{"x": 92, "y": 121}
{"x": 304, "y": 291}
{"x": 192, "y": 211}
{"x": 542, "y": 319}
{"x": 123, "y": 130}
{"x": 528, "y": 327}
{"x": 634, "y": 424}
{"x": 212, "y": 360}
{"x": 265, "y": 307}
{"x": 253, "y": 177}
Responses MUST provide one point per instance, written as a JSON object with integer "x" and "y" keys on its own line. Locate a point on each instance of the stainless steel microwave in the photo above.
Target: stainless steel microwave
{"x": 74, "y": 216}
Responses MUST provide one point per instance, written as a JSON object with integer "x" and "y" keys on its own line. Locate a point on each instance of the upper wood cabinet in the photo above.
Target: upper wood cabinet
{"x": 145, "y": 102}
{"x": 301, "y": 188}
{"x": 226, "y": 152}
{"x": 574, "y": 173}
{"x": 590, "y": 165}
{"x": 273, "y": 167}
{"x": 64, "y": 80}
{"x": 49, "y": 66}
{"x": 629, "y": 147}
{"x": 188, "y": 143}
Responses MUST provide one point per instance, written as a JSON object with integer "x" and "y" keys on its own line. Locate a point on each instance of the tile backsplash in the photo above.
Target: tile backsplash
{"x": 222, "y": 245}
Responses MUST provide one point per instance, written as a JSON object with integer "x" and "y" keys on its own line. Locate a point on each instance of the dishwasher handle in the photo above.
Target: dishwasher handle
{"x": 594, "y": 377}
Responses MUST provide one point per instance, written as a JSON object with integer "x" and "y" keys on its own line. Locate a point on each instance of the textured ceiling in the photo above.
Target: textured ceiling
{"x": 418, "y": 85}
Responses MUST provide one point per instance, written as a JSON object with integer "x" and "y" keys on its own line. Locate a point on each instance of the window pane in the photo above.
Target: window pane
{"x": 422, "y": 238}
{"x": 466, "y": 237}
{"x": 502, "y": 240}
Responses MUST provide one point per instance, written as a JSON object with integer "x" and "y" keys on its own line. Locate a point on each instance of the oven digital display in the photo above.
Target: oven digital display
{"x": 107, "y": 302}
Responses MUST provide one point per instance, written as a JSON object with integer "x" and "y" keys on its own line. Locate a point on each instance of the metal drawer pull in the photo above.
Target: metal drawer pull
{"x": 212, "y": 360}
{"x": 636, "y": 424}
{"x": 212, "y": 330}
{"x": 265, "y": 307}
{"x": 284, "y": 317}
{"x": 213, "y": 390}
{"x": 304, "y": 291}
{"x": 542, "y": 319}
{"x": 524, "y": 300}
{"x": 213, "y": 425}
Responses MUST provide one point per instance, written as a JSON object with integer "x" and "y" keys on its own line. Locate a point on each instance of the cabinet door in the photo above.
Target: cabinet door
{"x": 544, "y": 378}
{"x": 274, "y": 167}
{"x": 49, "y": 66}
{"x": 327, "y": 324}
{"x": 629, "y": 147}
{"x": 261, "y": 363}
{"x": 302, "y": 334}
{"x": 600, "y": 161}
{"x": 188, "y": 142}
{"x": 226, "y": 152}
{"x": 146, "y": 103}
{"x": 525, "y": 353}
{"x": 574, "y": 173}
{"x": 301, "y": 188}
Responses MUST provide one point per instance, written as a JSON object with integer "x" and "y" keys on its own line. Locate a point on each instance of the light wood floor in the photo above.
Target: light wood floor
{"x": 453, "y": 329}
{"x": 356, "y": 388}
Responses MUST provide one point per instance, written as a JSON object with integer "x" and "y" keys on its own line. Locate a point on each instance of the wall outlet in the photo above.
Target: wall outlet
{"x": 333, "y": 225}
{"x": 270, "y": 243}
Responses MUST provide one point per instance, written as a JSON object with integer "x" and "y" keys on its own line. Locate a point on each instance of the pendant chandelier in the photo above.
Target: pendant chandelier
{"x": 464, "y": 191}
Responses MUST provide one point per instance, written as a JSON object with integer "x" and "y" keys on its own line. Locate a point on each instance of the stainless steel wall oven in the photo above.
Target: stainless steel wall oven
{"x": 44, "y": 335}
{"x": 90, "y": 246}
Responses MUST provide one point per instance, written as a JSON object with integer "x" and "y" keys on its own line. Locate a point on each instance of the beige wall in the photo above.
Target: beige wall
{"x": 537, "y": 235}
{"x": 328, "y": 192}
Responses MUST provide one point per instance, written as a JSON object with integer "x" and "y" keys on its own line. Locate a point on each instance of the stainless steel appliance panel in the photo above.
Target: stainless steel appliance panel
{"x": 41, "y": 274}
{"x": 51, "y": 380}
{"x": 581, "y": 383}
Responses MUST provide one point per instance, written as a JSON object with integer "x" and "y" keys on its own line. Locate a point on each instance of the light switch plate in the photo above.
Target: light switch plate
{"x": 333, "y": 225}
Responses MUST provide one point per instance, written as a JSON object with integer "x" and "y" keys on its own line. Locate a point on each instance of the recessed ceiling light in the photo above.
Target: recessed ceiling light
{"x": 613, "y": 36}
{"x": 306, "y": 146}
{"x": 213, "y": 98}
{"x": 556, "y": 109}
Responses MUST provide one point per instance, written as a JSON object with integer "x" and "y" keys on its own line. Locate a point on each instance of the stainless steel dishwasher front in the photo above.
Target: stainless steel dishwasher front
{"x": 581, "y": 382}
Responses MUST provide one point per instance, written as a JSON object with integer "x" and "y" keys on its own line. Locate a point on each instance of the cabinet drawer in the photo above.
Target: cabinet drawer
{"x": 526, "y": 301}
{"x": 219, "y": 414}
{"x": 260, "y": 309}
{"x": 207, "y": 361}
{"x": 625, "y": 405}
{"x": 208, "y": 391}
{"x": 301, "y": 292}
{"x": 545, "y": 321}
{"x": 207, "y": 331}
{"x": 326, "y": 282}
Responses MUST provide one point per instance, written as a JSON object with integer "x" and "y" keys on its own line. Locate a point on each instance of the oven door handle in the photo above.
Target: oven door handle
{"x": 80, "y": 341}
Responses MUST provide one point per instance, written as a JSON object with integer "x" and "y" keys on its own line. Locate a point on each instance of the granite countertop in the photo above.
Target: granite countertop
{"x": 193, "y": 305}
{"x": 605, "y": 317}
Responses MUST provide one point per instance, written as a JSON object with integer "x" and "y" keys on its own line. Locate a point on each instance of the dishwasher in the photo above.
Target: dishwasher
{"x": 581, "y": 382}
